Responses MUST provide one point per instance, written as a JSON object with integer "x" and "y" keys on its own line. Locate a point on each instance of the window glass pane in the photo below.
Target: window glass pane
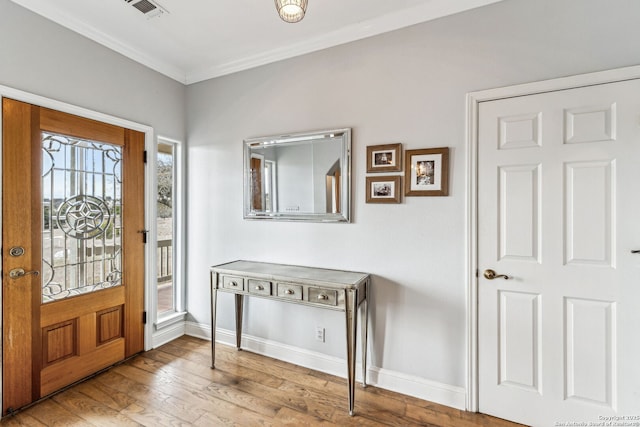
{"x": 165, "y": 228}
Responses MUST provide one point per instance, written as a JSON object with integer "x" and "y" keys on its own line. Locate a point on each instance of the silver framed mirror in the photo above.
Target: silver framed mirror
{"x": 299, "y": 177}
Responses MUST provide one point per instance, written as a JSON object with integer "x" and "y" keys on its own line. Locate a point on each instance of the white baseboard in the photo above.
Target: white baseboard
{"x": 199, "y": 330}
{"x": 421, "y": 388}
{"x": 168, "y": 333}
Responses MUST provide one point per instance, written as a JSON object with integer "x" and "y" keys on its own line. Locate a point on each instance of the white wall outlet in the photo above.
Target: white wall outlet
{"x": 320, "y": 333}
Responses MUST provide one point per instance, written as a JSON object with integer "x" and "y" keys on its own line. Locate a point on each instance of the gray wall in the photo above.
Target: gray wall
{"x": 46, "y": 59}
{"x": 407, "y": 86}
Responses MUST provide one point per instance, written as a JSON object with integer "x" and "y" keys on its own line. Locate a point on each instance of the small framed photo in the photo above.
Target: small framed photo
{"x": 384, "y": 158}
{"x": 383, "y": 189}
{"x": 427, "y": 172}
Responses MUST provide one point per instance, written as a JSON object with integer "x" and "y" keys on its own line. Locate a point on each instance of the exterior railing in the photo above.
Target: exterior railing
{"x": 165, "y": 261}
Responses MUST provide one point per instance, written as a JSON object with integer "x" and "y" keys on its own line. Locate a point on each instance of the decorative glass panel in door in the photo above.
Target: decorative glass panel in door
{"x": 81, "y": 210}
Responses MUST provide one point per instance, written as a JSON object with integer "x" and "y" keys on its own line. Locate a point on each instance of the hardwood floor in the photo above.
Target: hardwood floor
{"x": 174, "y": 386}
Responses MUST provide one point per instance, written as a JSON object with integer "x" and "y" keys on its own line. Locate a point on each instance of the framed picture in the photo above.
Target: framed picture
{"x": 427, "y": 172}
{"x": 383, "y": 189}
{"x": 384, "y": 158}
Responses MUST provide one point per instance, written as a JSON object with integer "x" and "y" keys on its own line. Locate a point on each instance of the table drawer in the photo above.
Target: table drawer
{"x": 233, "y": 282}
{"x": 259, "y": 287}
{"x": 323, "y": 296}
{"x": 291, "y": 291}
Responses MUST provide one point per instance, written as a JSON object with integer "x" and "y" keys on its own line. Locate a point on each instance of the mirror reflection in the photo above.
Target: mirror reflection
{"x": 298, "y": 177}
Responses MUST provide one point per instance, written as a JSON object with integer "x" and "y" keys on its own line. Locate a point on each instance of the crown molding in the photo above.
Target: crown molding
{"x": 47, "y": 9}
{"x": 401, "y": 19}
{"x": 428, "y": 11}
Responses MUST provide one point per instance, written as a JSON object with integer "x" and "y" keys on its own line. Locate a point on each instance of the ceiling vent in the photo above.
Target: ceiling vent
{"x": 150, "y": 8}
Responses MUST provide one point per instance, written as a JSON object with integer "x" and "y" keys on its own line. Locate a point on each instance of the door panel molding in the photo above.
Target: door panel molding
{"x": 473, "y": 100}
{"x": 51, "y": 312}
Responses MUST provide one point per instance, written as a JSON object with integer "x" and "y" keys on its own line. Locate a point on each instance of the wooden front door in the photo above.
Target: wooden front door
{"x": 72, "y": 258}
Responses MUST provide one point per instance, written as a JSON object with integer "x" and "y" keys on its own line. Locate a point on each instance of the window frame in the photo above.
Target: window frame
{"x": 163, "y": 321}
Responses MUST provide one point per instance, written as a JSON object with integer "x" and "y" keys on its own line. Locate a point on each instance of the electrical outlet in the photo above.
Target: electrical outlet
{"x": 319, "y": 333}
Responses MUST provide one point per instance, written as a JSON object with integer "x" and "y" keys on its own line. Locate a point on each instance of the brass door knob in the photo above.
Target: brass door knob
{"x": 490, "y": 275}
{"x": 16, "y": 273}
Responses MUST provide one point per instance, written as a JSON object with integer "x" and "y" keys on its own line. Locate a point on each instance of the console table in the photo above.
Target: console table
{"x": 330, "y": 289}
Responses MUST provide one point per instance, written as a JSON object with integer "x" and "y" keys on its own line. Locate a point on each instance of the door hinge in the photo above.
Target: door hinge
{"x": 144, "y": 235}
{"x": 144, "y": 317}
{"x": 144, "y": 156}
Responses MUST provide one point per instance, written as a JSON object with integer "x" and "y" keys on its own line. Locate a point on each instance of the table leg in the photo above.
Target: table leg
{"x": 214, "y": 294}
{"x": 364, "y": 326}
{"x": 239, "y": 301}
{"x": 351, "y": 300}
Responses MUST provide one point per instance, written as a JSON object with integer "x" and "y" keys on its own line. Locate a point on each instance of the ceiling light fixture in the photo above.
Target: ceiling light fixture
{"x": 291, "y": 10}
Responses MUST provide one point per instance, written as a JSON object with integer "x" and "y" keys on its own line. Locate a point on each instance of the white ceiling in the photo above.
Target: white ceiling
{"x": 201, "y": 39}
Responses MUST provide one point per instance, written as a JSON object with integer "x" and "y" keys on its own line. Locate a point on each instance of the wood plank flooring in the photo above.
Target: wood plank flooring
{"x": 174, "y": 386}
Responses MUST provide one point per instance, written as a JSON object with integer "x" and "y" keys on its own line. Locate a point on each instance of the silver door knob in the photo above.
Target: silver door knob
{"x": 490, "y": 275}
{"x": 16, "y": 273}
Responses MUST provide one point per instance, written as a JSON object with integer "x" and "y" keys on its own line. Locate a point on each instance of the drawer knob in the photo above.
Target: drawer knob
{"x": 234, "y": 284}
{"x": 259, "y": 288}
{"x": 289, "y": 292}
{"x": 323, "y": 297}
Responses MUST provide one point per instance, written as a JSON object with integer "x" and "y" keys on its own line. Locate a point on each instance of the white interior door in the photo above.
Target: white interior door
{"x": 559, "y": 214}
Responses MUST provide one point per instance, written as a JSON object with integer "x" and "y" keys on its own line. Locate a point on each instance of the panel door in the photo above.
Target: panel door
{"x": 73, "y": 260}
{"x": 558, "y": 203}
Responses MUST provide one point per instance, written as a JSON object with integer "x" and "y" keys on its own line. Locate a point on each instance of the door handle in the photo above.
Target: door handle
{"x": 490, "y": 275}
{"x": 17, "y": 273}
{"x": 635, "y": 251}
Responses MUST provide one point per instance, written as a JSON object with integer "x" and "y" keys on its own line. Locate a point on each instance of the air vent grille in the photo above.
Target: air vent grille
{"x": 145, "y": 6}
{"x": 150, "y": 8}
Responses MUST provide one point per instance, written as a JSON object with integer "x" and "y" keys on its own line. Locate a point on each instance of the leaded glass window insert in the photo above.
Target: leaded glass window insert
{"x": 82, "y": 216}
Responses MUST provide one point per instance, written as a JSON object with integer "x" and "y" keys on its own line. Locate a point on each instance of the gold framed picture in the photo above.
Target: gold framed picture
{"x": 427, "y": 172}
{"x": 383, "y": 189}
{"x": 384, "y": 158}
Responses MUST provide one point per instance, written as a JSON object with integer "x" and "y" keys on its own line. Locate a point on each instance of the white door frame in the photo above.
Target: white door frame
{"x": 19, "y": 95}
{"x": 473, "y": 101}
